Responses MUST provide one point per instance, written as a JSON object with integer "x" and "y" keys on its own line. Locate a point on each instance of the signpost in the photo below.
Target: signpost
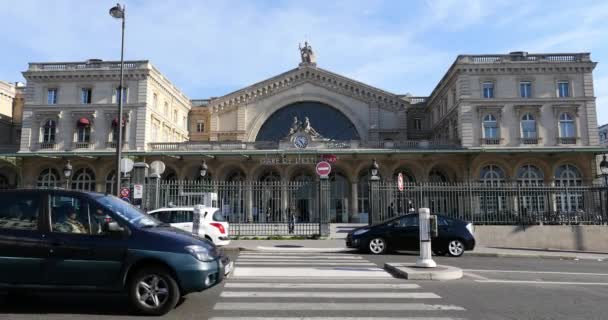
{"x": 323, "y": 169}
{"x": 400, "y": 181}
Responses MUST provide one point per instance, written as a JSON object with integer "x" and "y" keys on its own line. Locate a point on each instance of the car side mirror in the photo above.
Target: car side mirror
{"x": 114, "y": 227}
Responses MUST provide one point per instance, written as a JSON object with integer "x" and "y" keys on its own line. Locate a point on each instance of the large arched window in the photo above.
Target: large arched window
{"x": 49, "y": 131}
{"x": 437, "y": 176}
{"x": 492, "y": 175}
{"x": 566, "y": 126}
{"x": 530, "y": 175}
{"x": 236, "y": 175}
{"x": 490, "y": 127}
{"x": 528, "y": 126}
{"x": 324, "y": 119}
{"x": 270, "y": 175}
{"x": 568, "y": 200}
{"x": 111, "y": 183}
{"x": 48, "y": 178}
{"x": 84, "y": 179}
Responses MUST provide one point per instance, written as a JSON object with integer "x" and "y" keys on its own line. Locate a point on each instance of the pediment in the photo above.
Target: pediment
{"x": 313, "y": 75}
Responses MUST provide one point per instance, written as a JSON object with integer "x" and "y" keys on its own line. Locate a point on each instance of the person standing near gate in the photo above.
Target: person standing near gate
{"x": 292, "y": 221}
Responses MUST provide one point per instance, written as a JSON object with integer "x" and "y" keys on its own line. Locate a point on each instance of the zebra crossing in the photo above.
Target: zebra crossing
{"x": 320, "y": 286}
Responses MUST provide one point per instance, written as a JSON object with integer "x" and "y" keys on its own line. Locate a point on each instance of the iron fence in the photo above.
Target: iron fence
{"x": 499, "y": 204}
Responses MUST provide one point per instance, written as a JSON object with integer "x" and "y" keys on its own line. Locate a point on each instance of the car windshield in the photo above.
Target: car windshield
{"x": 128, "y": 212}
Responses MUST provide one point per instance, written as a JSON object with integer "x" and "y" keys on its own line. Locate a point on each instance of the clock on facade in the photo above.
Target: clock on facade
{"x": 300, "y": 141}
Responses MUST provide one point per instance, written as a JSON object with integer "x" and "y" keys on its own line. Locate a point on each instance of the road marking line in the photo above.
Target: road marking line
{"x": 539, "y": 272}
{"x": 475, "y": 276}
{"x": 312, "y": 263}
{"x": 335, "y": 295}
{"x": 273, "y": 306}
{"x": 544, "y": 282}
{"x": 334, "y": 318}
{"x": 249, "y": 256}
{"x": 303, "y": 260}
{"x": 282, "y": 285}
{"x": 312, "y": 272}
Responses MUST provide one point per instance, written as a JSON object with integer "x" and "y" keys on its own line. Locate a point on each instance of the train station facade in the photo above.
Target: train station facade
{"x": 527, "y": 119}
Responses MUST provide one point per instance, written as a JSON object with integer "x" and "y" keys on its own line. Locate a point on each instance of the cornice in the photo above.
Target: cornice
{"x": 525, "y": 68}
{"x": 307, "y": 74}
{"x": 50, "y": 76}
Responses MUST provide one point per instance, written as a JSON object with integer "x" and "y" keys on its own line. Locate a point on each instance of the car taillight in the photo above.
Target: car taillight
{"x": 219, "y": 226}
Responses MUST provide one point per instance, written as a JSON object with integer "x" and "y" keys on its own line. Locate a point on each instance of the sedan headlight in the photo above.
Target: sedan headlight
{"x": 360, "y": 232}
{"x": 200, "y": 253}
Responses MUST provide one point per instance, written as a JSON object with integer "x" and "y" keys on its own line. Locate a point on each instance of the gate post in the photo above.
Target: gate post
{"x": 374, "y": 194}
{"x": 324, "y": 206}
{"x": 152, "y": 191}
{"x": 140, "y": 171}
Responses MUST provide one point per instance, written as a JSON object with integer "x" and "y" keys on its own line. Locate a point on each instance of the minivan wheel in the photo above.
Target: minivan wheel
{"x": 153, "y": 291}
{"x": 377, "y": 246}
{"x": 455, "y": 248}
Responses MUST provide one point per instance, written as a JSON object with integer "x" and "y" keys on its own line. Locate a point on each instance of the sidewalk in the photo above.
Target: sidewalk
{"x": 339, "y": 246}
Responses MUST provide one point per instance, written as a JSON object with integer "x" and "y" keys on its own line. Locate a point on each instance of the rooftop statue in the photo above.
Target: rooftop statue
{"x": 307, "y": 55}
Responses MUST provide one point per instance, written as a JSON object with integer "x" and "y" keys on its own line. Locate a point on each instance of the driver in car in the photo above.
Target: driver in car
{"x": 72, "y": 222}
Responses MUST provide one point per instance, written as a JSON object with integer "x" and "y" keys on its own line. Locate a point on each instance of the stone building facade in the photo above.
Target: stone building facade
{"x": 518, "y": 117}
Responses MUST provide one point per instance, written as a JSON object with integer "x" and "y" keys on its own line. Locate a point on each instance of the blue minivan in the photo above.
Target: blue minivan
{"x": 58, "y": 239}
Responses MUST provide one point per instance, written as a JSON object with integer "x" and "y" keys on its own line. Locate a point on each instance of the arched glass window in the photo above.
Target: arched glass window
{"x": 528, "y": 126}
{"x": 48, "y": 178}
{"x": 169, "y": 175}
{"x": 568, "y": 175}
{"x": 270, "y": 176}
{"x": 492, "y": 175}
{"x": 530, "y": 175}
{"x": 490, "y": 127}
{"x": 111, "y": 183}
{"x": 84, "y": 179}
{"x": 566, "y": 126}
{"x": 83, "y": 130}
{"x": 49, "y": 131}
{"x": 437, "y": 176}
{"x": 4, "y": 182}
{"x": 568, "y": 200}
{"x": 236, "y": 176}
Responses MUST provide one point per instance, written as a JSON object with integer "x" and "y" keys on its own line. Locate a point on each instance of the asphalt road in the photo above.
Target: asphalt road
{"x": 493, "y": 288}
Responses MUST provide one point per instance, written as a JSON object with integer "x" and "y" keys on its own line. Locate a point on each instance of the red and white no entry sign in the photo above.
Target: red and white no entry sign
{"x": 400, "y": 181}
{"x": 125, "y": 192}
{"x": 323, "y": 168}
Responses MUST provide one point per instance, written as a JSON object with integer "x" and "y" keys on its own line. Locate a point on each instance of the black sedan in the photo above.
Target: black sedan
{"x": 402, "y": 233}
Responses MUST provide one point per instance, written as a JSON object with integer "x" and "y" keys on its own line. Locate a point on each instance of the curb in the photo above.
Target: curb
{"x": 409, "y": 271}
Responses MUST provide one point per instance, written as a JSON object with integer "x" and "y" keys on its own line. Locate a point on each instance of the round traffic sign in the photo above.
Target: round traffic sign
{"x": 323, "y": 168}
{"x": 124, "y": 192}
{"x": 400, "y": 181}
{"x": 126, "y": 165}
{"x": 157, "y": 167}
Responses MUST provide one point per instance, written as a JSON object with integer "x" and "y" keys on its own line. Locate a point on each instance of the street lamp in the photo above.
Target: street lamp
{"x": 203, "y": 169}
{"x": 373, "y": 170}
{"x": 604, "y": 169}
{"x": 67, "y": 173}
{"x": 118, "y": 12}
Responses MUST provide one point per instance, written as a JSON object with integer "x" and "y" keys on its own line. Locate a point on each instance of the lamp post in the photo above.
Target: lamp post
{"x": 203, "y": 169}
{"x": 374, "y": 193}
{"x": 118, "y": 12}
{"x": 67, "y": 173}
{"x": 604, "y": 171}
{"x": 373, "y": 170}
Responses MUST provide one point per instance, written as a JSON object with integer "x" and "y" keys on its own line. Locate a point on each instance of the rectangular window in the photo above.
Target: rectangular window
{"x": 175, "y": 116}
{"x": 85, "y": 95}
{"x": 155, "y": 101}
{"x": 563, "y": 89}
{"x": 525, "y": 89}
{"x": 51, "y": 96}
{"x": 19, "y": 211}
{"x": 417, "y": 124}
{"x": 488, "y": 90}
{"x": 124, "y": 94}
{"x": 200, "y": 126}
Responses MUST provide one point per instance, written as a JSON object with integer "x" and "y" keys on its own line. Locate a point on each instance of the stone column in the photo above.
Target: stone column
{"x": 374, "y": 199}
{"x": 354, "y": 197}
{"x": 249, "y": 200}
{"x": 324, "y": 206}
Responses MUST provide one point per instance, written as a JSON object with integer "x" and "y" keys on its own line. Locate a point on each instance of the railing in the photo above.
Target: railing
{"x": 567, "y": 140}
{"x": 104, "y": 65}
{"x": 269, "y": 145}
{"x": 529, "y": 140}
{"x": 82, "y": 145}
{"x": 499, "y": 204}
{"x": 490, "y": 141}
{"x": 523, "y": 56}
{"x": 50, "y": 146}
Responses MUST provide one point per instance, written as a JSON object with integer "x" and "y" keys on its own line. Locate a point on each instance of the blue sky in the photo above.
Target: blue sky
{"x": 211, "y": 48}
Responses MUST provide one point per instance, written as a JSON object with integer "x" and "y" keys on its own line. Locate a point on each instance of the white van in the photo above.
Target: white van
{"x": 213, "y": 225}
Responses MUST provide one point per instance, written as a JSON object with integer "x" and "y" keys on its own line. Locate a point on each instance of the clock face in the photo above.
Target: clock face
{"x": 300, "y": 142}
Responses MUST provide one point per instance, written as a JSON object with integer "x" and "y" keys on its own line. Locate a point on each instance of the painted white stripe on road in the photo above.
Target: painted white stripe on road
{"x": 283, "y": 285}
{"x": 311, "y": 263}
{"x": 475, "y": 276}
{"x": 272, "y": 306}
{"x": 302, "y": 260}
{"x": 312, "y": 272}
{"x": 544, "y": 282}
{"x": 335, "y": 295}
{"x": 299, "y": 256}
{"x": 538, "y": 272}
{"x": 334, "y": 318}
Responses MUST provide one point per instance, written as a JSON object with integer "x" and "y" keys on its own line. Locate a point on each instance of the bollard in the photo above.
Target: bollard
{"x": 196, "y": 219}
{"x": 425, "y": 260}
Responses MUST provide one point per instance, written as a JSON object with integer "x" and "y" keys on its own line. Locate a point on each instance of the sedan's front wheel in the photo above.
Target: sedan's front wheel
{"x": 455, "y": 248}
{"x": 377, "y": 246}
{"x": 153, "y": 291}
